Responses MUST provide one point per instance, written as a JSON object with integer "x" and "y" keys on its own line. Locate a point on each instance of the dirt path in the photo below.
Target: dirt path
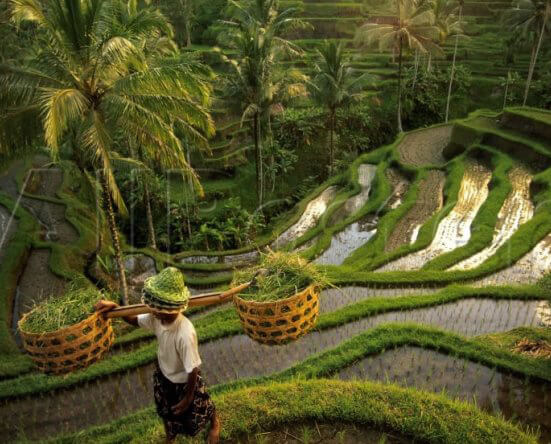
{"x": 424, "y": 147}
{"x": 428, "y": 202}
{"x": 454, "y": 230}
{"x": 8, "y": 227}
{"x": 237, "y": 357}
{"x": 51, "y": 216}
{"x": 37, "y": 283}
{"x": 40, "y": 181}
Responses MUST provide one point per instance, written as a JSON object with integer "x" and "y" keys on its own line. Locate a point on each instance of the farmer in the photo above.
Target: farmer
{"x": 180, "y": 396}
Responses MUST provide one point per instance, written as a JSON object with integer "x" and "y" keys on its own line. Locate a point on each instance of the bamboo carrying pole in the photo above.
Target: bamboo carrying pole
{"x": 194, "y": 301}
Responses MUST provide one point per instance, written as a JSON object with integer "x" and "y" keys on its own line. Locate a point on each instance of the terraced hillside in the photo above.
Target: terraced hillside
{"x": 483, "y": 51}
{"x": 436, "y": 243}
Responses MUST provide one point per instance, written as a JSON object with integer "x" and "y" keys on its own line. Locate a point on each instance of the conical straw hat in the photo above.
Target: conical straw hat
{"x": 166, "y": 291}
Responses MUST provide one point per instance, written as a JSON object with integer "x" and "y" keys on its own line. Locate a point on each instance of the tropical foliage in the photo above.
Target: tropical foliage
{"x": 334, "y": 85}
{"x": 532, "y": 18}
{"x": 256, "y": 84}
{"x": 412, "y": 29}
{"x": 97, "y": 79}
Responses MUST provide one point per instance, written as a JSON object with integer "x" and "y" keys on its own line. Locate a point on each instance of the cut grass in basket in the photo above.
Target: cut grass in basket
{"x": 63, "y": 311}
{"x": 283, "y": 275}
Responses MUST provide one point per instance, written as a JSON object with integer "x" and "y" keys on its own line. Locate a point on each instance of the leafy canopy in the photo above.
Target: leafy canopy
{"x": 100, "y": 74}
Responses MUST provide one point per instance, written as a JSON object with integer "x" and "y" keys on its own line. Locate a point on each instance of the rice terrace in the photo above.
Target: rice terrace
{"x": 275, "y": 221}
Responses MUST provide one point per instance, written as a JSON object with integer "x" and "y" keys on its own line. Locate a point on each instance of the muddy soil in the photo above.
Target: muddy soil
{"x": 454, "y": 230}
{"x": 400, "y": 185}
{"x": 425, "y": 147}
{"x": 8, "y": 227}
{"x": 199, "y": 260}
{"x": 429, "y": 201}
{"x": 496, "y": 392}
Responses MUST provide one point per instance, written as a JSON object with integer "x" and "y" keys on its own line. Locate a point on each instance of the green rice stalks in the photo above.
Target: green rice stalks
{"x": 63, "y": 311}
{"x": 285, "y": 275}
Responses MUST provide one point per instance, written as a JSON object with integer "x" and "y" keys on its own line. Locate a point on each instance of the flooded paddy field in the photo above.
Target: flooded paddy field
{"x": 454, "y": 230}
{"x": 528, "y": 402}
{"x": 238, "y": 357}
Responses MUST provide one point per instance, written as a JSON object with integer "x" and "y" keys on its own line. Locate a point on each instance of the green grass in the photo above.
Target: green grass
{"x": 423, "y": 416}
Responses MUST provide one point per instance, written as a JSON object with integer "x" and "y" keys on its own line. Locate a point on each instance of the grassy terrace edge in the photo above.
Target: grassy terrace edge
{"x": 425, "y": 416}
{"x": 224, "y": 323}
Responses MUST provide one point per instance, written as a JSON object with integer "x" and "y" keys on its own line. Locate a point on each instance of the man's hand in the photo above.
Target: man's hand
{"x": 104, "y": 306}
{"x": 182, "y": 406}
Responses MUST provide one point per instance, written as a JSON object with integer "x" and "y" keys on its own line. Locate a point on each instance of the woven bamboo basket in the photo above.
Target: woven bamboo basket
{"x": 280, "y": 321}
{"x": 70, "y": 348}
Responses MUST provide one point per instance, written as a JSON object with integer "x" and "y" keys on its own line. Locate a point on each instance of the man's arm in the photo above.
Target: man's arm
{"x": 104, "y": 306}
{"x": 184, "y": 404}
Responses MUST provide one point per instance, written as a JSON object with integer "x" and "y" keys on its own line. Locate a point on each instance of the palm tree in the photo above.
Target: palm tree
{"x": 452, "y": 73}
{"x": 413, "y": 29}
{"x": 256, "y": 32}
{"x": 92, "y": 77}
{"x": 531, "y": 17}
{"x": 446, "y": 20}
{"x": 334, "y": 85}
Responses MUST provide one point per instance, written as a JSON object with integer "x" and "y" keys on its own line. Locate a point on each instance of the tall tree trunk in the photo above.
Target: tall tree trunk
{"x": 108, "y": 207}
{"x": 152, "y": 241}
{"x": 534, "y": 60}
{"x": 415, "y": 69}
{"x": 506, "y": 90}
{"x": 188, "y": 35}
{"x": 191, "y": 190}
{"x": 453, "y": 69}
{"x": 331, "y": 139}
{"x": 429, "y": 63}
{"x": 400, "y": 129}
{"x": 258, "y": 158}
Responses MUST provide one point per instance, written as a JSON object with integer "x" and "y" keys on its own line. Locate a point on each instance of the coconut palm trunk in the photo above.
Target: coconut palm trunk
{"x": 415, "y": 69}
{"x": 400, "y": 129}
{"x": 188, "y": 35}
{"x": 533, "y": 60}
{"x": 506, "y": 89}
{"x": 452, "y": 74}
{"x": 110, "y": 213}
{"x": 152, "y": 241}
{"x": 258, "y": 157}
{"x": 331, "y": 139}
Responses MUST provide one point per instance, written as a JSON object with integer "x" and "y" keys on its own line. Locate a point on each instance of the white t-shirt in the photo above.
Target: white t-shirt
{"x": 178, "y": 351}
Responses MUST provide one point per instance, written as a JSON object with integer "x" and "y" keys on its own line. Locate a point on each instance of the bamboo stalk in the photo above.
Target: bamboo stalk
{"x": 194, "y": 301}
